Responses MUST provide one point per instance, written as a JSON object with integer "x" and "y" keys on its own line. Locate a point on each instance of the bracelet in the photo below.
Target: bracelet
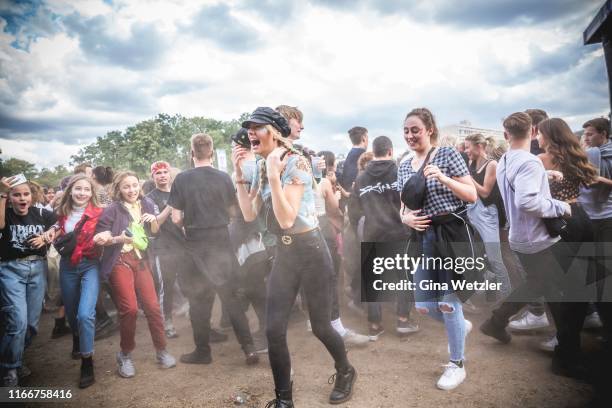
{"x": 3, "y": 195}
{"x": 242, "y": 182}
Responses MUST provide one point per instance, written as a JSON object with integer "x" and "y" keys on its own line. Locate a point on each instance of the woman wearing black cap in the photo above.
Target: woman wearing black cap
{"x": 283, "y": 192}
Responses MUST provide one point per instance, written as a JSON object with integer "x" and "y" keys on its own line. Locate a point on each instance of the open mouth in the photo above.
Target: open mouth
{"x": 255, "y": 142}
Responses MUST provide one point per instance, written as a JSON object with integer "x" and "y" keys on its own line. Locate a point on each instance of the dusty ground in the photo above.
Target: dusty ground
{"x": 392, "y": 373}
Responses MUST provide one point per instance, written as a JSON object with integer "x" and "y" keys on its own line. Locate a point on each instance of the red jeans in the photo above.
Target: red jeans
{"x": 129, "y": 277}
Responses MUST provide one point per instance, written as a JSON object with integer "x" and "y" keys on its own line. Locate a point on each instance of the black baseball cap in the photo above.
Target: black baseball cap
{"x": 268, "y": 116}
{"x": 241, "y": 138}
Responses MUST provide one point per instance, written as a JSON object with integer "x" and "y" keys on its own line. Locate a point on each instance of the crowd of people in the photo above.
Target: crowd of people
{"x": 283, "y": 233}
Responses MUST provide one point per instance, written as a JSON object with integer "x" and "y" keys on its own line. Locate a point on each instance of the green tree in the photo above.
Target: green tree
{"x": 14, "y": 166}
{"x": 52, "y": 177}
{"x": 165, "y": 137}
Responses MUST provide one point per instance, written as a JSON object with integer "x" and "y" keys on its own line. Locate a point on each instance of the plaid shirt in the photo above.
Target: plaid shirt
{"x": 439, "y": 198}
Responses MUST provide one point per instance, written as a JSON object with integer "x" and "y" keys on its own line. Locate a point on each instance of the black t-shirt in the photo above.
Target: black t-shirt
{"x": 170, "y": 235}
{"x": 18, "y": 229}
{"x": 205, "y": 195}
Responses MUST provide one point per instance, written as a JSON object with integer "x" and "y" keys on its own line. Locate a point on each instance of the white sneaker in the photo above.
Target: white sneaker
{"x": 550, "y": 344}
{"x": 126, "y": 367}
{"x": 452, "y": 377}
{"x": 592, "y": 321}
{"x": 355, "y": 339}
{"x": 529, "y": 321}
{"x": 308, "y": 325}
{"x": 165, "y": 359}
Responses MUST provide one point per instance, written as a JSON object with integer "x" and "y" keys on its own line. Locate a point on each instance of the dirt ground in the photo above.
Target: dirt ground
{"x": 392, "y": 372}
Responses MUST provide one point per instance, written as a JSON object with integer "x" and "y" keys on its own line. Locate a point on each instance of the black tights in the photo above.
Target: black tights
{"x": 305, "y": 261}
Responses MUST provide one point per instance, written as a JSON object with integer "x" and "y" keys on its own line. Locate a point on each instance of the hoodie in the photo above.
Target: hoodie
{"x": 379, "y": 201}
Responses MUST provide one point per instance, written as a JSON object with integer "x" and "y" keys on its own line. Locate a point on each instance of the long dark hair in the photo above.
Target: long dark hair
{"x": 566, "y": 152}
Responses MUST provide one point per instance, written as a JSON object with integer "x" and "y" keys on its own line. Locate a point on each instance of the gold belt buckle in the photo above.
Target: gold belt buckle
{"x": 287, "y": 240}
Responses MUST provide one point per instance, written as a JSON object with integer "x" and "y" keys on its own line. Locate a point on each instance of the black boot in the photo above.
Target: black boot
{"x": 284, "y": 399}
{"x": 343, "y": 385}
{"x": 60, "y": 329}
{"x": 76, "y": 349}
{"x": 87, "y": 372}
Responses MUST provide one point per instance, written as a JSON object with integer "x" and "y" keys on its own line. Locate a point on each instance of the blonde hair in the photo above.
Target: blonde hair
{"x": 119, "y": 177}
{"x": 478, "y": 139}
{"x": 290, "y": 112}
{"x": 64, "y": 208}
{"x": 281, "y": 142}
{"x": 202, "y": 146}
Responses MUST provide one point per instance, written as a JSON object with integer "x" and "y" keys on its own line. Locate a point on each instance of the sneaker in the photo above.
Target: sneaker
{"x": 23, "y": 371}
{"x": 126, "y": 367}
{"x": 406, "y": 327}
{"x": 592, "y": 321}
{"x": 10, "y": 378}
{"x": 165, "y": 359}
{"x": 308, "y": 326}
{"x": 251, "y": 356}
{"x": 197, "y": 357}
{"x": 488, "y": 328}
{"x": 550, "y": 344}
{"x": 216, "y": 336}
{"x": 375, "y": 332}
{"x": 529, "y": 321}
{"x": 355, "y": 339}
{"x": 170, "y": 330}
{"x": 452, "y": 377}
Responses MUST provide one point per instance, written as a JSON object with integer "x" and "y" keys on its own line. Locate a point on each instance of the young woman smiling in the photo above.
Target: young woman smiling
{"x": 78, "y": 213}
{"x": 126, "y": 266}
{"x": 283, "y": 190}
{"x": 441, "y": 214}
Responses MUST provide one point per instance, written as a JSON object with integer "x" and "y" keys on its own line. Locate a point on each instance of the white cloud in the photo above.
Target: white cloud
{"x": 343, "y": 67}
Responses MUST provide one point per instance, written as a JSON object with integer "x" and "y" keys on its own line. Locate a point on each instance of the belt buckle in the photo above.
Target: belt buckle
{"x": 287, "y": 239}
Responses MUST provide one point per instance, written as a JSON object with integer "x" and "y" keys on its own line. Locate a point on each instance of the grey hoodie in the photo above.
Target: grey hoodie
{"x": 529, "y": 202}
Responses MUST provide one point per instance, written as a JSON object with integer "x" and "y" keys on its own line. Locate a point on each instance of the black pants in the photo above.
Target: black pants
{"x": 303, "y": 261}
{"x": 544, "y": 276}
{"x": 214, "y": 263}
{"x": 255, "y": 289}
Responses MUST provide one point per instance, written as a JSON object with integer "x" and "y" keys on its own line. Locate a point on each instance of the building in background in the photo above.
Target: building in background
{"x": 464, "y": 128}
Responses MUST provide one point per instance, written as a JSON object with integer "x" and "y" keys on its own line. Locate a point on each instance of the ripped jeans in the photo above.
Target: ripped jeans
{"x": 430, "y": 300}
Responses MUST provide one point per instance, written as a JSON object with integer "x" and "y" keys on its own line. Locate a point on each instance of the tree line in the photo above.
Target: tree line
{"x": 165, "y": 137}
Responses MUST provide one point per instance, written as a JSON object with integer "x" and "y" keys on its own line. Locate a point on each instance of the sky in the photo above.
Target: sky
{"x": 71, "y": 71}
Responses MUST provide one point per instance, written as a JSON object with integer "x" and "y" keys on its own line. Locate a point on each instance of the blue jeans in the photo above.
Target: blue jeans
{"x": 430, "y": 301}
{"x": 485, "y": 220}
{"x": 22, "y": 290}
{"x": 80, "y": 285}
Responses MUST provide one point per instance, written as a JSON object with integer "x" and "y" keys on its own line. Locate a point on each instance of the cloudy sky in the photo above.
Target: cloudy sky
{"x": 71, "y": 71}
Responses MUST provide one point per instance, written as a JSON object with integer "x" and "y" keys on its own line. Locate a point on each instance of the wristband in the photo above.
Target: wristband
{"x": 242, "y": 182}
{"x": 2, "y": 195}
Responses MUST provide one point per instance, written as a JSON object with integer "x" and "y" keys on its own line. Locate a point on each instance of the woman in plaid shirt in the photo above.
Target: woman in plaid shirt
{"x": 448, "y": 186}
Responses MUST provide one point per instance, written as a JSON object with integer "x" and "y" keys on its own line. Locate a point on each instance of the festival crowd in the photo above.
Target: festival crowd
{"x": 283, "y": 234}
